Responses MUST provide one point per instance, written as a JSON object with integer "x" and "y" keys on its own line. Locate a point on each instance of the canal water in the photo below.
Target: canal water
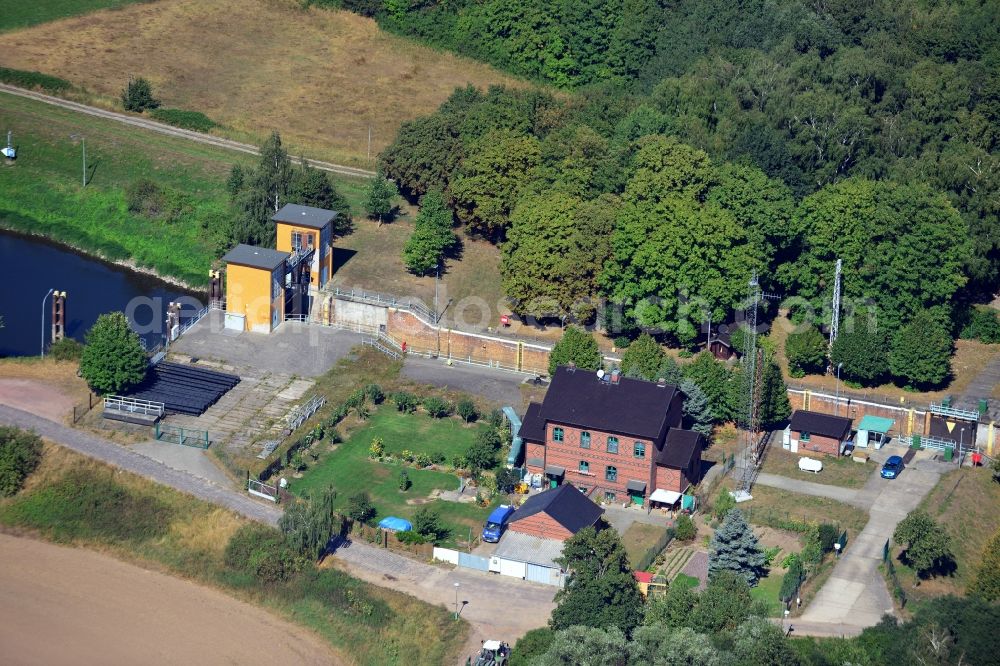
{"x": 30, "y": 266}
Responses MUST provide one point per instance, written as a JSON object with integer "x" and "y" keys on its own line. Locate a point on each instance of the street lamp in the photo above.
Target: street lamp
{"x": 44, "y": 298}
{"x": 456, "y": 600}
{"x": 839, "y": 366}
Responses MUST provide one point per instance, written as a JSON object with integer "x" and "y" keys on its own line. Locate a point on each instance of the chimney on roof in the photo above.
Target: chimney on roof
{"x": 615, "y": 376}
{"x": 571, "y": 366}
{"x": 661, "y": 382}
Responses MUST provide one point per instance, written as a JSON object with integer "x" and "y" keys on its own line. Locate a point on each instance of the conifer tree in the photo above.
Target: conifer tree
{"x": 698, "y": 415}
{"x": 735, "y": 548}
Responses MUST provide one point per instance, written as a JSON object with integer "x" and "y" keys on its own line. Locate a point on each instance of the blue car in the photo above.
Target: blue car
{"x": 892, "y": 467}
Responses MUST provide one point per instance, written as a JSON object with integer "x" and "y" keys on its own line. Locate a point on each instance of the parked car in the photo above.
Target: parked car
{"x": 497, "y": 523}
{"x": 892, "y": 467}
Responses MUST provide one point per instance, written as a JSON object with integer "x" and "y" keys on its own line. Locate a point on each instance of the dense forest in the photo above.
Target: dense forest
{"x": 698, "y": 141}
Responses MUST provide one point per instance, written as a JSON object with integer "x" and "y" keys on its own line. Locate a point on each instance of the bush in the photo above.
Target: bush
{"x": 507, "y": 480}
{"x": 495, "y": 418}
{"x": 982, "y": 325}
{"x": 684, "y": 528}
{"x": 405, "y": 402}
{"x": 792, "y": 580}
{"x": 467, "y": 410}
{"x": 20, "y": 453}
{"x": 360, "y": 508}
{"x": 192, "y": 120}
{"x": 138, "y": 95}
{"x": 28, "y": 79}
{"x": 66, "y": 349}
{"x": 531, "y": 646}
{"x": 261, "y": 551}
{"x": 376, "y": 448}
{"x": 437, "y": 458}
{"x": 410, "y": 537}
{"x": 427, "y": 523}
{"x": 770, "y": 554}
{"x": 828, "y": 535}
{"x": 404, "y": 480}
{"x": 437, "y": 407}
{"x": 723, "y": 503}
{"x": 374, "y": 393}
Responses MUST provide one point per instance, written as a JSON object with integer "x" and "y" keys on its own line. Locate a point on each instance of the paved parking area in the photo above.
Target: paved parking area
{"x": 294, "y": 348}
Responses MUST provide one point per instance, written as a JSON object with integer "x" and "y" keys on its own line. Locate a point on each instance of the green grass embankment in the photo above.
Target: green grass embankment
{"x": 43, "y": 193}
{"x": 74, "y": 500}
{"x": 23, "y": 13}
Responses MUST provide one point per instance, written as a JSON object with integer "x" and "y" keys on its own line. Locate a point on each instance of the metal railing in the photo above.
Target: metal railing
{"x": 185, "y": 436}
{"x": 299, "y": 415}
{"x": 268, "y": 448}
{"x": 297, "y": 317}
{"x": 966, "y": 414}
{"x": 186, "y": 326}
{"x": 386, "y": 300}
{"x": 133, "y": 405}
{"x": 374, "y": 342}
{"x": 261, "y": 489}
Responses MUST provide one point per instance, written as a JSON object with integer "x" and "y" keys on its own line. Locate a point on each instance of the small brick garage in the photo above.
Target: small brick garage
{"x": 813, "y": 432}
{"x": 558, "y": 513}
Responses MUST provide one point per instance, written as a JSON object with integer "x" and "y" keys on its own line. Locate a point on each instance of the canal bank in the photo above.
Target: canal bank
{"x": 31, "y": 266}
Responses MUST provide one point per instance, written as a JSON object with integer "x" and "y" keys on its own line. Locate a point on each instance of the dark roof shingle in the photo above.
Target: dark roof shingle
{"x": 305, "y": 216}
{"x": 565, "y": 504}
{"x": 632, "y": 407}
{"x": 256, "y": 257}
{"x": 679, "y": 448}
{"x": 825, "y": 425}
{"x": 533, "y": 425}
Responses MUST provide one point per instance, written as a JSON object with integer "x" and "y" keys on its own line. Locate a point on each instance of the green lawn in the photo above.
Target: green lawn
{"x": 349, "y": 469}
{"x": 767, "y": 590}
{"x": 42, "y": 193}
{"x": 685, "y": 581}
{"x": 16, "y": 14}
{"x": 639, "y": 538}
{"x": 837, "y": 471}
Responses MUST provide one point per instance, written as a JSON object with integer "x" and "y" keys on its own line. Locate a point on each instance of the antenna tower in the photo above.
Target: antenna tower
{"x": 835, "y": 320}
{"x": 753, "y": 366}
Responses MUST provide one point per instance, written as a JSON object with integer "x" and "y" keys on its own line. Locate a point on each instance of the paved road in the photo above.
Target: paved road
{"x": 497, "y": 607}
{"x": 982, "y": 386}
{"x": 163, "y": 128}
{"x": 856, "y": 594}
{"x": 499, "y": 386}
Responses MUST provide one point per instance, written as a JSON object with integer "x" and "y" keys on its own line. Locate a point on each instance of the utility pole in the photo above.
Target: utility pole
{"x": 835, "y": 320}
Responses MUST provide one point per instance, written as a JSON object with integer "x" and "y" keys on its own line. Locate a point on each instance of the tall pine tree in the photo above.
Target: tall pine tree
{"x": 735, "y": 548}
{"x": 697, "y": 411}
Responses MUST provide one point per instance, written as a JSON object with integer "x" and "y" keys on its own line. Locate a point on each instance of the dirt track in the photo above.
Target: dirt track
{"x": 69, "y": 606}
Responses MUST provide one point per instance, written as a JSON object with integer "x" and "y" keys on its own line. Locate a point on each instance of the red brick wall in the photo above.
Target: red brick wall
{"x": 540, "y": 525}
{"x": 817, "y": 444}
{"x": 534, "y": 450}
{"x": 669, "y": 479}
{"x": 856, "y": 410}
{"x": 460, "y": 345}
{"x": 568, "y": 454}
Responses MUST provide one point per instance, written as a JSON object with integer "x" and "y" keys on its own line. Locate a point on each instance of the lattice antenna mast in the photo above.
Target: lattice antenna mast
{"x": 835, "y": 320}
{"x": 753, "y": 365}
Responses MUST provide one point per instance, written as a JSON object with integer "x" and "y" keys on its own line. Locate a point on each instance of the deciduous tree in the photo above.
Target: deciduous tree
{"x": 643, "y": 358}
{"x": 432, "y": 236}
{"x": 113, "y": 358}
{"x": 927, "y": 546}
{"x": 921, "y": 351}
{"x": 863, "y": 352}
{"x": 601, "y": 590}
{"x": 986, "y": 585}
{"x": 20, "y": 453}
{"x": 806, "y": 351}
{"x": 380, "y": 197}
{"x": 578, "y": 346}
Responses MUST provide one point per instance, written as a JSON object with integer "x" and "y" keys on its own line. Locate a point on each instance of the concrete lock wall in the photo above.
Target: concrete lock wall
{"x": 359, "y": 314}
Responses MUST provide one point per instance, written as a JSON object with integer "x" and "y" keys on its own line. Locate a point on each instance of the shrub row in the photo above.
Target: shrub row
{"x": 656, "y": 549}
{"x": 27, "y": 79}
{"x": 192, "y": 120}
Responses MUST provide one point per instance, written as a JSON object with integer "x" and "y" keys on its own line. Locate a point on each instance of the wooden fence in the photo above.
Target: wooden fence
{"x": 387, "y": 539}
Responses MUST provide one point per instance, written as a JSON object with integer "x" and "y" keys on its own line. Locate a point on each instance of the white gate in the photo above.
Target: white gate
{"x": 512, "y": 568}
{"x": 541, "y": 574}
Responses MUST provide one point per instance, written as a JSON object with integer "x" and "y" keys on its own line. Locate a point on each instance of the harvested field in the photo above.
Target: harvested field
{"x": 320, "y": 77}
{"x": 106, "y": 611}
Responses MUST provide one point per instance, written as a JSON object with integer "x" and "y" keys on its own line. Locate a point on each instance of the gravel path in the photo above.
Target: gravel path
{"x": 170, "y": 130}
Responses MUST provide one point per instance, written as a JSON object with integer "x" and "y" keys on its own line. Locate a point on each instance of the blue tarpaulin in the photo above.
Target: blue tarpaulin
{"x": 395, "y": 524}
